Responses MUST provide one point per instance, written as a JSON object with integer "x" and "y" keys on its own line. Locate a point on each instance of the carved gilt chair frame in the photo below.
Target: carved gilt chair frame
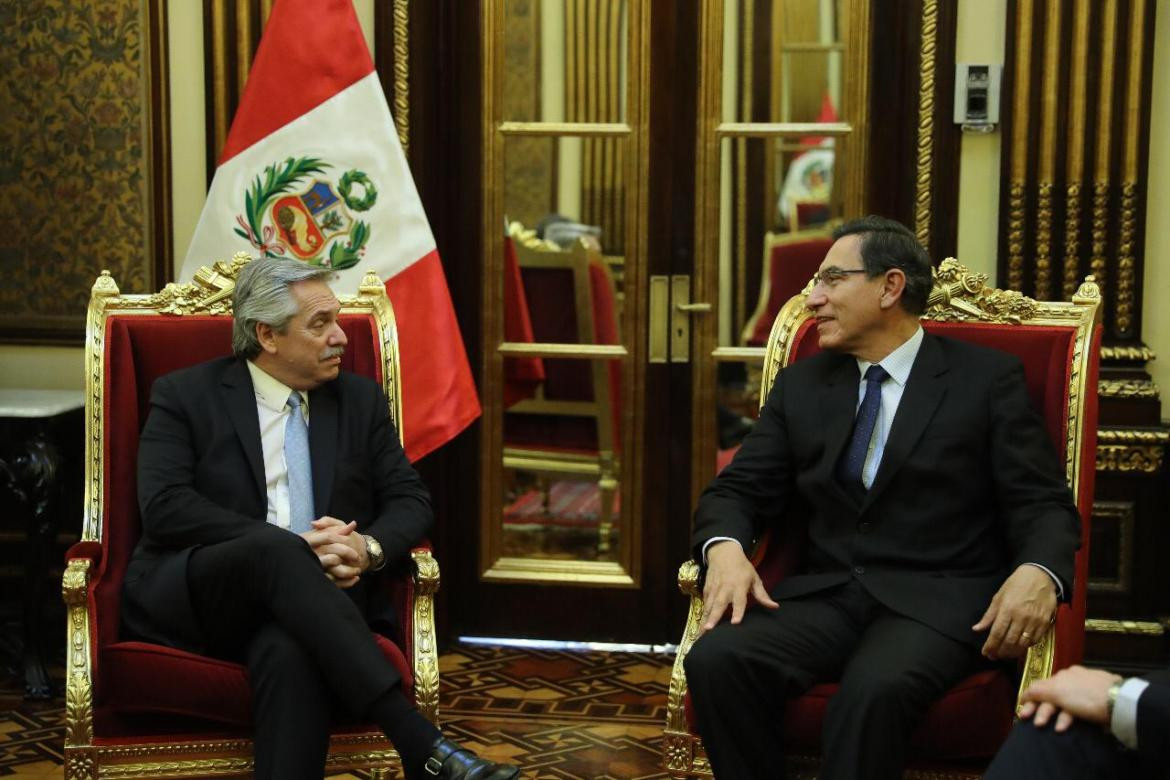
{"x": 957, "y": 296}
{"x": 88, "y": 755}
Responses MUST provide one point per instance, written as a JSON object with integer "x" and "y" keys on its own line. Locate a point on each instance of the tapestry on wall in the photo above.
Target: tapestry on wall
{"x": 75, "y": 160}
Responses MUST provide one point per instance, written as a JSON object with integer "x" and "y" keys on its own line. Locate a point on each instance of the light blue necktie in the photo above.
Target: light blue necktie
{"x": 300, "y": 469}
{"x": 866, "y": 420}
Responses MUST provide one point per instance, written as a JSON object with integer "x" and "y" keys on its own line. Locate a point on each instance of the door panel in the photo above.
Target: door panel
{"x": 628, "y": 186}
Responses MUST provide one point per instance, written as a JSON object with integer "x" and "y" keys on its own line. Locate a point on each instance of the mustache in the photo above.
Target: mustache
{"x": 332, "y": 352}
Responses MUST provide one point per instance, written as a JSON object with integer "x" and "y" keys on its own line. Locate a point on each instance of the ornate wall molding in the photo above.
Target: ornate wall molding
{"x": 1138, "y": 627}
{"x": 1127, "y": 388}
{"x": 1112, "y": 530}
{"x": 1077, "y": 144}
{"x": 1133, "y": 436}
{"x": 1138, "y": 354}
{"x": 402, "y": 73}
{"x": 1129, "y": 458}
{"x": 232, "y": 32}
{"x": 926, "y": 110}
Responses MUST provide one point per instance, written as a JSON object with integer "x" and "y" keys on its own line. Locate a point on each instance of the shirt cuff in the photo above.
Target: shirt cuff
{"x": 1055, "y": 579}
{"x": 1124, "y": 722}
{"x": 712, "y": 541}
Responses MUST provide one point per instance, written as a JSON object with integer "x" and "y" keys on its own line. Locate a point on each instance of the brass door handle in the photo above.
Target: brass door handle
{"x": 670, "y": 318}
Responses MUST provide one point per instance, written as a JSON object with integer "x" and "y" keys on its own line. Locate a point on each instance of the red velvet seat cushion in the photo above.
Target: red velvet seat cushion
{"x": 139, "y": 677}
{"x": 969, "y": 723}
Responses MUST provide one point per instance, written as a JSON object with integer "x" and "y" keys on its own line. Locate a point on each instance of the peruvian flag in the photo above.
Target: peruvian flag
{"x": 312, "y": 169}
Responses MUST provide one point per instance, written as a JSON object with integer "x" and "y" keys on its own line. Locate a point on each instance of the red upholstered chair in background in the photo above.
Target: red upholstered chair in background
{"x": 790, "y": 260}
{"x": 1059, "y": 344}
{"x": 522, "y": 376}
{"x": 135, "y": 709}
{"x": 803, "y": 214}
{"x": 570, "y": 427}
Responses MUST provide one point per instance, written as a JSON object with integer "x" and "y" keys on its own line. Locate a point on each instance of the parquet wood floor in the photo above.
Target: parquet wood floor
{"x": 559, "y": 715}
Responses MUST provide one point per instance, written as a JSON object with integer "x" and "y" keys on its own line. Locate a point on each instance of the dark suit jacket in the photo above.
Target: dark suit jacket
{"x": 968, "y": 488}
{"x": 1153, "y": 719}
{"x": 201, "y": 481}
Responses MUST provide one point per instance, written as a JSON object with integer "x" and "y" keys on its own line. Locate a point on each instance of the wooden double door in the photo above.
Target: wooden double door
{"x": 630, "y": 161}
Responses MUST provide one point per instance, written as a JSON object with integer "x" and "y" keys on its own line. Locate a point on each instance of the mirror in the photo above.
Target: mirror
{"x": 780, "y": 195}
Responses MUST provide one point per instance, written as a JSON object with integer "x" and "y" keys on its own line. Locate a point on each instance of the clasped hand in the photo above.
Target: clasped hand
{"x": 731, "y": 581}
{"x": 341, "y": 551}
{"x": 1019, "y": 613}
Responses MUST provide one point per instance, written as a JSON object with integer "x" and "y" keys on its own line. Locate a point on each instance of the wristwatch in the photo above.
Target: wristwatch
{"x": 1111, "y": 700}
{"x": 374, "y": 553}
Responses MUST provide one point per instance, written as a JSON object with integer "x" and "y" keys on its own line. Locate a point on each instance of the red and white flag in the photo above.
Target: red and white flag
{"x": 312, "y": 169}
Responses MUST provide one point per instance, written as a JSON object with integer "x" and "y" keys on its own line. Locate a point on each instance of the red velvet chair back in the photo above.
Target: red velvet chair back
{"x": 522, "y": 376}
{"x": 141, "y": 709}
{"x": 789, "y": 263}
{"x": 569, "y": 298}
{"x": 140, "y": 349}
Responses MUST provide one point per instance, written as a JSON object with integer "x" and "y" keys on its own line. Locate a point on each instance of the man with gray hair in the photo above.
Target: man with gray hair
{"x": 273, "y": 490}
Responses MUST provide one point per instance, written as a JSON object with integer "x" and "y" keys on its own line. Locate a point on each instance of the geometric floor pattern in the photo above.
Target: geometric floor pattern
{"x": 560, "y": 715}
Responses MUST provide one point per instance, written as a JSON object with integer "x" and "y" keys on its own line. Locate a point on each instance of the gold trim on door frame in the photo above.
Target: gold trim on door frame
{"x": 712, "y": 131}
{"x": 626, "y": 570}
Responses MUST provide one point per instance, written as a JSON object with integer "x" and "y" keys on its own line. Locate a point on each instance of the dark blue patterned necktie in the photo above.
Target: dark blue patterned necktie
{"x": 854, "y": 459}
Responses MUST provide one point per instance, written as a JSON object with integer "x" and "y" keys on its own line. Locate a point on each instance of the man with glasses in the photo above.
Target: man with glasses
{"x": 940, "y": 531}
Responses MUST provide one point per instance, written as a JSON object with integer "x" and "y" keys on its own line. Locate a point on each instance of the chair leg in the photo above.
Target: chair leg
{"x": 544, "y": 485}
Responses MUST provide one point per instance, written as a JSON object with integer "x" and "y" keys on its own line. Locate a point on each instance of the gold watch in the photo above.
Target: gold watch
{"x": 1111, "y": 700}
{"x": 374, "y": 553}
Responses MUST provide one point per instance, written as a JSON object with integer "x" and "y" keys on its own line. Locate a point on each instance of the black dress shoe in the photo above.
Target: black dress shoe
{"x": 451, "y": 762}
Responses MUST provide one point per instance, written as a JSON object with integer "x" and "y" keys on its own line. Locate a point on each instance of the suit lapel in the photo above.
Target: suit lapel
{"x": 838, "y": 406}
{"x": 240, "y": 402}
{"x": 323, "y": 444}
{"x": 924, "y": 392}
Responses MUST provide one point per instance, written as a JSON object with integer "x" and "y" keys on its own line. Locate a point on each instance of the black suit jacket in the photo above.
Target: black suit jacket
{"x": 968, "y": 488}
{"x": 201, "y": 481}
{"x": 1153, "y": 719}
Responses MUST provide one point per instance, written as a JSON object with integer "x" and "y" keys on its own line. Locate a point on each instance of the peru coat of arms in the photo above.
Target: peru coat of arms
{"x": 292, "y": 209}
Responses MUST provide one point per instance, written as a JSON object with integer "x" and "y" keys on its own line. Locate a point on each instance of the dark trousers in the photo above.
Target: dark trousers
{"x": 891, "y": 669}
{"x": 263, "y": 599}
{"x": 1084, "y": 752}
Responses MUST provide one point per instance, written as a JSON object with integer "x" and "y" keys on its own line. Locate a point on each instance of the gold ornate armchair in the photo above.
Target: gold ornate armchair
{"x": 1059, "y": 344}
{"x": 134, "y": 709}
{"x": 570, "y": 425}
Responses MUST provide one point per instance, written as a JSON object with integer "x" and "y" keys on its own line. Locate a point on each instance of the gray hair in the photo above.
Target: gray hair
{"x": 263, "y": 294}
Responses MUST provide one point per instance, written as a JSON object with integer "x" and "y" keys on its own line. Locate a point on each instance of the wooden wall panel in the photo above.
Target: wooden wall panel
{"x": 1076, "y": 93}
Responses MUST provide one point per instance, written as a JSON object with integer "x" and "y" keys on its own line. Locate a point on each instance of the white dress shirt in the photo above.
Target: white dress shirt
{"x": 272, "y": 406}
{"x": 898, "y": 365}
{"x": 1124, "y": 722}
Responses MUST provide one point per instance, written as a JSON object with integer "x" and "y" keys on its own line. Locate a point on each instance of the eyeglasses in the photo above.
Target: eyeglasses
{"x": 831, "y": 275}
